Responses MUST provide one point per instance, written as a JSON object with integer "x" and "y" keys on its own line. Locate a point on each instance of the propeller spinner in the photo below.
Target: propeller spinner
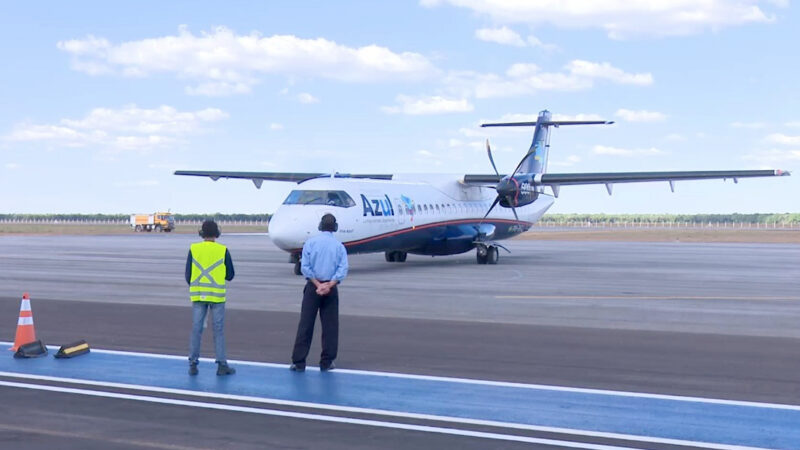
{"x": 514, "y": 190}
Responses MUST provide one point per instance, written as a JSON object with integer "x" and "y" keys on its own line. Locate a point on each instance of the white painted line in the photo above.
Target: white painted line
{"x": 635, "y": 297}
{"x": 544, "y": 387}
{"x": 381, "y": 412}
{"x": 296, "y": 415}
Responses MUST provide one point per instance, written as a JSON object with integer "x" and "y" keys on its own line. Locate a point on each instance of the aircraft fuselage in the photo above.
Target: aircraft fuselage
{"x": 423, "y": 214}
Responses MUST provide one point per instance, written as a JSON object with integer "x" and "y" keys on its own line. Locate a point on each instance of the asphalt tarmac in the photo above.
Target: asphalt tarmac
{"x": 716, "y": 321}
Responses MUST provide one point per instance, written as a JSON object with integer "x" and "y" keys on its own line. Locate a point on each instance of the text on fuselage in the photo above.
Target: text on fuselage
{"x": 377, "y": 206}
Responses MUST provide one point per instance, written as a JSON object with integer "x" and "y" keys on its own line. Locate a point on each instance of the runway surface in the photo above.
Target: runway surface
{"x": 647, "y": 328}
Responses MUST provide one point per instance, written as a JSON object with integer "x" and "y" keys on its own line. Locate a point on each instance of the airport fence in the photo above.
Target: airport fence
{"x": 668, "y": 225}
{"x": 39, "y": 221}
{"x": 787, "y": 221}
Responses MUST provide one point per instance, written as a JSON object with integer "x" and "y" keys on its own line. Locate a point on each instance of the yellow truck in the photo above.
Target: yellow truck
{"x": 160, "y": 221}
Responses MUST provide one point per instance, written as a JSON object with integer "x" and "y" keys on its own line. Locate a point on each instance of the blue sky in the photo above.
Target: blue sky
{"x": 101, "y": 101}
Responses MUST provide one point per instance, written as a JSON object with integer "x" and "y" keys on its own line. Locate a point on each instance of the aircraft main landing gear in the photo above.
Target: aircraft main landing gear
{"x": 487, "y": 254}
{"x": 395, "y": 256}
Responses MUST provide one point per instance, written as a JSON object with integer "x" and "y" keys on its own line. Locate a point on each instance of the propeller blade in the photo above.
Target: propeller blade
{"x": 514, "y": 210}
{"x": 496, "y": 201}
{"x": 491, "y": 160}
{"x": 520, "y": 164}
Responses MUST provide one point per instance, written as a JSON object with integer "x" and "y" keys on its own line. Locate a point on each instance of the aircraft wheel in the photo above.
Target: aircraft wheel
{"x": 390, "y": 256}
{"x": 492, "y": 255}
{"x": 482, "y": 255}
{"x": 400, "y": 256}
{"x": 297, "y": 270}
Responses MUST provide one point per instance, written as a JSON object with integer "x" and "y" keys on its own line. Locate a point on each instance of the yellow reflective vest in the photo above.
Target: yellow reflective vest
{"x": 208, "y": 272}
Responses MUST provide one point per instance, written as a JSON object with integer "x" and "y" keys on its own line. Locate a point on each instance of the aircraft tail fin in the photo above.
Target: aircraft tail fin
{"x": 535, "y": 161}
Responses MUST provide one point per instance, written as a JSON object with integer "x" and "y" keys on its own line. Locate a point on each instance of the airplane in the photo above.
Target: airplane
{"x": 439, "y": 214}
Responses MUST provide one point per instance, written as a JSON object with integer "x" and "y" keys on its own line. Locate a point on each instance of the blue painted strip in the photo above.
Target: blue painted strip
{"x": 731, "y": 424}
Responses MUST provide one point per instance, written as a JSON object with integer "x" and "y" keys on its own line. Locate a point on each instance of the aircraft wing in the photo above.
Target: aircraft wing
{"x": 258, "y": 177}
{"x": 556, "y": 180}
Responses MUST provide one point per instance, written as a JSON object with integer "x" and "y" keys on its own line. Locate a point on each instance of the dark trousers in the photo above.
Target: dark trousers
{"x": 328, "y": 307}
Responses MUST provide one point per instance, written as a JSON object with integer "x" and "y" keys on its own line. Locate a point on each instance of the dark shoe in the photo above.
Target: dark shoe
{"x": 327, "y": 367}
{"x": 297, "y": 367}
{"x": 224, "y": 369}
{"x": 193, "y": 369}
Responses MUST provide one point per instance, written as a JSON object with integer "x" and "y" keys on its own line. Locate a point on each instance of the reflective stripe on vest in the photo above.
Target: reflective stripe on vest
{"x": 208, "y": 272}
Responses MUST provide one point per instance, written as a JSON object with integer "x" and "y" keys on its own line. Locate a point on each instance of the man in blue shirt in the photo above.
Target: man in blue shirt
{"x": 324, "y": 264}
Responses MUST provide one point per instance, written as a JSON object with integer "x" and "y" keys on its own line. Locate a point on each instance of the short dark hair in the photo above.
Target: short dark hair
{"x": 328, "y": 223}
{"x": 209, "y": 229}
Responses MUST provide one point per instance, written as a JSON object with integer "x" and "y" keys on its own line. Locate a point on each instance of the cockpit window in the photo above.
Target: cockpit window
{"x": 329, "y": 198}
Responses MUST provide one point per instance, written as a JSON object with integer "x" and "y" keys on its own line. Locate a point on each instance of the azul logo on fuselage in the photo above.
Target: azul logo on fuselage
{"x": 377, "y": 206}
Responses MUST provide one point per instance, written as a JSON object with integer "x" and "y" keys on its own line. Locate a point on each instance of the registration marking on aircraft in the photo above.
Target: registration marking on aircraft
{"x": 590, "y": 413}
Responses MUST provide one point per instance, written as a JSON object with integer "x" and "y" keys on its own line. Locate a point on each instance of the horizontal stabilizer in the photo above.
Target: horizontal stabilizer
{"x": 555, "y": 123}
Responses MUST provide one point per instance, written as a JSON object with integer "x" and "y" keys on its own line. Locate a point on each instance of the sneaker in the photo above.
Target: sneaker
{"x": 297, "y": 367}
{"x": 327, "y": 367}
{"x": 193, "y": 369}
{"x": 224, "y": 369}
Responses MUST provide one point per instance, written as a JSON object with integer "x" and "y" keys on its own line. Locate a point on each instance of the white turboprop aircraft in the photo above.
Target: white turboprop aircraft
{"x": 438, "y": 214}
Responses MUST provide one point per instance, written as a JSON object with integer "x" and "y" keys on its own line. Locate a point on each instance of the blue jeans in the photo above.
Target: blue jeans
{"x": 199, "y": 310}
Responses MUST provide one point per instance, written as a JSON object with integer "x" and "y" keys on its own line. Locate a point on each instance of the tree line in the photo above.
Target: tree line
{"x": 736, "y": 218}
{"x": 787, "y": 218}
{"x": 219, "y": 217}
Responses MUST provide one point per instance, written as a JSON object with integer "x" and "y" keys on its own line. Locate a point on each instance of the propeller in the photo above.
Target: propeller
{"x": 507, "y": 188}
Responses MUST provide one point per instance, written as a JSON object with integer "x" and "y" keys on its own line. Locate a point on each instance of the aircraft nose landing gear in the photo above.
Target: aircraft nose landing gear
{"x": 295, "y": 258}
{"x": 487, "y": 254}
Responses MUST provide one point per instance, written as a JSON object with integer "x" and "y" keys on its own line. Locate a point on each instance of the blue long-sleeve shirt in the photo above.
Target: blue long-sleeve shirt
{"x": 324, "y": 258}
{"x": 229, "y": 273}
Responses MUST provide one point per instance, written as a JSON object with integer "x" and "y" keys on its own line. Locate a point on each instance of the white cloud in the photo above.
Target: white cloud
{"x": 507, "y": 36}
{"x": 640, "y": 115}
{"x": 275, "y": 126}
{"x": 579, "y": 116}
{"x": 623, "y": 19}
{"x": 473, "y": 133}
{"x": 307, "y": 98}
{"x": 607, "y": 71}
{"x": 571, "y": 160}
{"x": 428, "y": 105}
{"x": 130, "y": 127}
{"x": 527, "y": 79}
{"x": 12, "y": 166}
{"x": 795, "y": 123}
{"x": 503, "y": 35}
{"x": 533, "y": 41}
{"x": 782, "y": 139}
{"x": 224, "y": 63}
{"x": 616, "y": 151}
{"x": 774, "y": 156}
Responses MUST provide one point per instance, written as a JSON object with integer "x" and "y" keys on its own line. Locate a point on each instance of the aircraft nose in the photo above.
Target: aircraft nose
{"x": 286, "y": 231}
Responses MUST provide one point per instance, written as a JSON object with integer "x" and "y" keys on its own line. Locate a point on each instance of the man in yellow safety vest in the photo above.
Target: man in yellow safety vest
{"x": 208, "y": 267}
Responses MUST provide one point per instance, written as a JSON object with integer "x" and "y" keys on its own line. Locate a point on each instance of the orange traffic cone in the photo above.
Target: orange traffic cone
{"x": 25, "y": 331}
